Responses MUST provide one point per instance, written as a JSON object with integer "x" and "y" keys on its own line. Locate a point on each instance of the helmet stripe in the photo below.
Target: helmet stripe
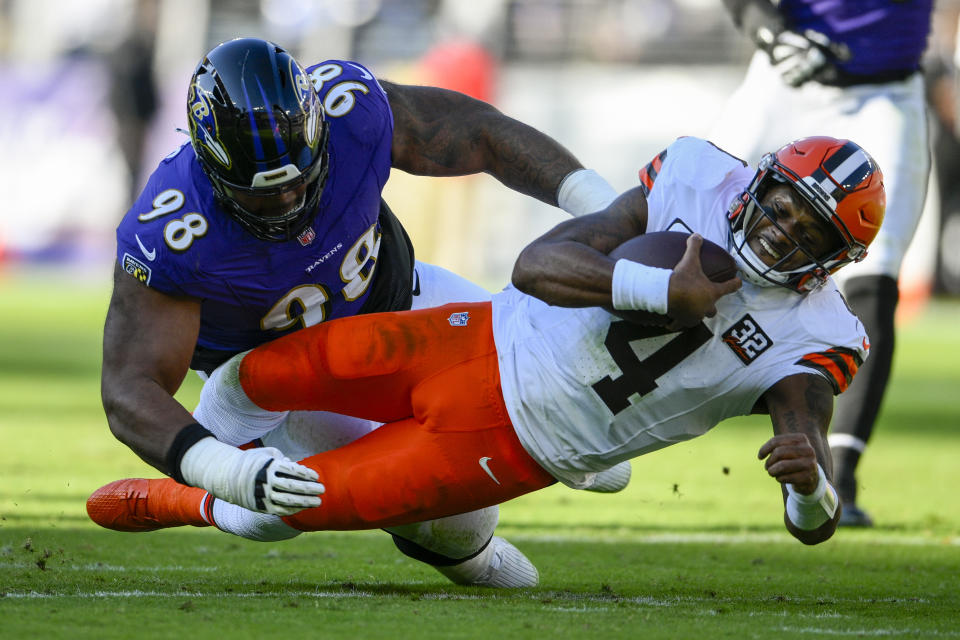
{"x": 840, "y": 156}
{"x": 849, "y": 166}
{"x": 853, "y": 171}
{"x": 277, "y": 139}
{"x": 255, "y": 133}
{"x": 842, "y": 172}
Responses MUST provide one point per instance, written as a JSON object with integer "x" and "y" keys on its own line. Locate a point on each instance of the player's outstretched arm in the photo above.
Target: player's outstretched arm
{"x": 438, "y": 132}
{"x": 798, "y": 457}
{"x": 148, "y": 339}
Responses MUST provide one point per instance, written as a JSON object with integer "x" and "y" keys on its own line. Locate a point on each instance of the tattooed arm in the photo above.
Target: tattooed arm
{"x": 444, "y": 133}
{"x": 800, "y": 408}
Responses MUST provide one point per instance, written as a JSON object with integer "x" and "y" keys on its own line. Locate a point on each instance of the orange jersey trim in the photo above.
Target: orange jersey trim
{"x": 648, "y": 174}
{"x": 838, "y": 364}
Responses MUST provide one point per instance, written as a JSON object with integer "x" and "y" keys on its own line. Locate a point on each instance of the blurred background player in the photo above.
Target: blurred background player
{"x": 849, "y": 68}
{"x": 271, "y": 219}
{"x": 488, "y": 401}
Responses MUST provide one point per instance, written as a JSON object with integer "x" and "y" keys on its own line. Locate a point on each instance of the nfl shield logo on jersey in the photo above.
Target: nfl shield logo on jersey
{"x": 459, "y": 319}
{"x": 307, "y": 236}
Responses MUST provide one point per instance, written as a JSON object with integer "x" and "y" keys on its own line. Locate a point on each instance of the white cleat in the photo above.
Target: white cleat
{"x": 501, "y": 566}
{"x": 612, "y": 480}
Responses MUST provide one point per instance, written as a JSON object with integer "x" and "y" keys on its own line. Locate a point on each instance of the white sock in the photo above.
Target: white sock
{"x": 251, "y": 525}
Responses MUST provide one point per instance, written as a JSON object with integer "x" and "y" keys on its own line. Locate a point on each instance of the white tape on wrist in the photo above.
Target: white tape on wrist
{"x": 637, "y": 286}
{"x": 584, "y": 191}
{"x": 219, "y": 468}
{"x": 808, "y": 512}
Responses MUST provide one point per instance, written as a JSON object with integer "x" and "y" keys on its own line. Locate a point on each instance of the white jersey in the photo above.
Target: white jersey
{"x": 586, "y": 390}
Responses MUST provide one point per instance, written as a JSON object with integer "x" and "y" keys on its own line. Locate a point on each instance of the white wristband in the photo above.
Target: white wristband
{"x": 212, "y": 465}
{"x": 637, "y": 286}
{"x": 261, "y": 479}
{"x": 808, "y": 512}
{"x": 584, "y": 191}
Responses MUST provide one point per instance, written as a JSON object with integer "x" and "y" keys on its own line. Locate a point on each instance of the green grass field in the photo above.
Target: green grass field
{"x": 694, "y": 547}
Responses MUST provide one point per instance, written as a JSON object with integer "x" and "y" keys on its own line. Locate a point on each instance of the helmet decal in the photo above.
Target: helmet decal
{"x": 302, "y": 85}
{"x": 203, "y": 124}
{"x": 309, "y": 104}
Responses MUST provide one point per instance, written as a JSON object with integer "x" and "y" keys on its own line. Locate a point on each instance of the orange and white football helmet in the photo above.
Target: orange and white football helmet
{"x": 845, "y": 187}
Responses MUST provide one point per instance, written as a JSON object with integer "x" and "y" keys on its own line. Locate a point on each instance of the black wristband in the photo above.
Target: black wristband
{"x": 186, "y": 438}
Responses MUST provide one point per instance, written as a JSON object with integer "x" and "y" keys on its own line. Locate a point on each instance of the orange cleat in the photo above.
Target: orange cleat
{"x": 137, "y": 504}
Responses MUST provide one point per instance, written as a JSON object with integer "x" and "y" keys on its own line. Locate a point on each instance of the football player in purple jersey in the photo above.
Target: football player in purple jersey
{"x": 272, "y": 219}
{"x": 848, "y": 69}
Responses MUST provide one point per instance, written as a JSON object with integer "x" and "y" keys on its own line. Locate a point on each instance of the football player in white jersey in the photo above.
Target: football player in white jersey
{"x": 484, "y": 402}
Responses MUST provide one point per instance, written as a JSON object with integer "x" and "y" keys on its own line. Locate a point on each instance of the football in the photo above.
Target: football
{"x": 664, "y": 249}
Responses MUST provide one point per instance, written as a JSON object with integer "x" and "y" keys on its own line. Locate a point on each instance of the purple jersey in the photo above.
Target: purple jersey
{"x": 176, "y": 239}
{"x": 884, "y": 36}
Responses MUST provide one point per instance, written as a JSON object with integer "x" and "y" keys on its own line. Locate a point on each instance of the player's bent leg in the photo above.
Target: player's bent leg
{"x": 453, "y": 545}
{"x": 404, "y": 473}
{"x": 138, "y": 504}
{"x": 364, "y": 366}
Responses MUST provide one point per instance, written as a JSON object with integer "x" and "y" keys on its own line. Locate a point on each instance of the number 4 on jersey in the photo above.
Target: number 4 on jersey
{"x": 640, "y": 376}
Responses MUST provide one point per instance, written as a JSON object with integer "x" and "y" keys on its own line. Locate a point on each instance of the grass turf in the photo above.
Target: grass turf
{"x": 694, "y": 546}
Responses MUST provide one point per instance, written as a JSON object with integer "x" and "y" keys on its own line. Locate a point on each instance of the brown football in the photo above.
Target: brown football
{"x": 664, "y": 249}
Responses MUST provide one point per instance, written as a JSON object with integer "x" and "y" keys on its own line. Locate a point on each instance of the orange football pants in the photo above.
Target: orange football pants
{"x": 432, "y": 376}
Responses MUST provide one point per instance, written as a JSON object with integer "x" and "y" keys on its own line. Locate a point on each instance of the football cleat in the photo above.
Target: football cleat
{"x": 137, "y": 504}
{"x": 501, "y": 566}
{"x": 854, "y": 516}
{"x": 612, "y": 480}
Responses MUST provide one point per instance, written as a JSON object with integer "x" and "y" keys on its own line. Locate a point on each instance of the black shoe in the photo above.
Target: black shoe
{"x": 854, "y": 516}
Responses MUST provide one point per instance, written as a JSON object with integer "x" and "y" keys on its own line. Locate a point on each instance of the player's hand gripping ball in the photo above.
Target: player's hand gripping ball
{"x": 664, "y": 249}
